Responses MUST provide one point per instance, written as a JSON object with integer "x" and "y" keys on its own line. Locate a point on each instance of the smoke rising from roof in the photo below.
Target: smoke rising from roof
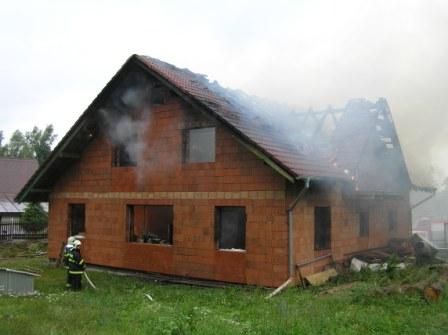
{"x": 312, "y": 53}
{"x": 126, "y": 119}
{"x": 359, "y": 138}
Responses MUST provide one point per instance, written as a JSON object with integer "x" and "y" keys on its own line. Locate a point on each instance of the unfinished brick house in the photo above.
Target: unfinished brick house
{"x": 168, "y": 173}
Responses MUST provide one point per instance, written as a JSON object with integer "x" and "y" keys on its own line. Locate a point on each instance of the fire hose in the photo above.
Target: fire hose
{"x": 89, "y": 281}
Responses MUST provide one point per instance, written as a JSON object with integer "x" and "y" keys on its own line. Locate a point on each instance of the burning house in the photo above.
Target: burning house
{"x": 168, "y": 173}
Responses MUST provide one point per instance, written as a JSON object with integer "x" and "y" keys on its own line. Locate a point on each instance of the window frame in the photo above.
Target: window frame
{"x": 71, "y": 207}
{"x": 219, "y": 212}
{"x": 117, "y": 152}
{"x": 146, "y": 237}
{"x": 186, "y": 145}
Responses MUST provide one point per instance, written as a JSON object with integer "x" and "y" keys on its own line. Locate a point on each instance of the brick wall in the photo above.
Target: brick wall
{"x": 345, "y": 211}
{"x": 236, "y": 178}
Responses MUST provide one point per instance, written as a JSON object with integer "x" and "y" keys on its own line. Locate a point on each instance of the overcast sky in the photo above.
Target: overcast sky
{"x": 57, "y": 55}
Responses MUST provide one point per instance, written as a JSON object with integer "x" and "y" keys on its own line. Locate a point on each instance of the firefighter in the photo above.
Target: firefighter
{"x": 76, "y": 266}
{"x": 67, "y": 255}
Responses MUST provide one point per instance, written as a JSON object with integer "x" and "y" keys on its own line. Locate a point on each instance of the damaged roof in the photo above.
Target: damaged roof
{"x": 291, "y": 160}
{"x": 240, "y": 118}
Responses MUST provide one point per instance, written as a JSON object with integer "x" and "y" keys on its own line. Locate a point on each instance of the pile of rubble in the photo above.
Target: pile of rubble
{"x": 398, "y": 255}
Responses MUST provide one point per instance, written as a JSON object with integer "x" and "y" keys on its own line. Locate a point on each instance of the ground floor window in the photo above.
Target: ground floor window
{"x": 364, "y": 224}
{"x": 230, "y": 227}
{"x": 150, "y": 224}
{"x": 392, "y": 219}
{"x": 77, "y": 219}
{"x": 322, "y": 228}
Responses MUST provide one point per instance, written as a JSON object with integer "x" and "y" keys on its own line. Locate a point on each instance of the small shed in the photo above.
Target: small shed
{"x": 16, "y": 282}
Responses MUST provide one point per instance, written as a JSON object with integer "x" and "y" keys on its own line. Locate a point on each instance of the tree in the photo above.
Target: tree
{"x": 34, "y": 218}
{"x": 40, "y": 142}
{"x": 33, "y": 144}
{"x": 2, "y": 147}
{"x": 18, "y": 146}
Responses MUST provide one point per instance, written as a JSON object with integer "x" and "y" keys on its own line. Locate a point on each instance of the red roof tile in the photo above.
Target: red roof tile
{"x": 340, "y": 154}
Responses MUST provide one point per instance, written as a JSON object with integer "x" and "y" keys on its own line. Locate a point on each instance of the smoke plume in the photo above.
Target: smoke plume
{"x": 126, "y": 117}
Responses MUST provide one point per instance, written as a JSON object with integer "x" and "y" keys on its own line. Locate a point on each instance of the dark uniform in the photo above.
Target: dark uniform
{"x": 66, "y": 260}
{"x": 76, "y": 267}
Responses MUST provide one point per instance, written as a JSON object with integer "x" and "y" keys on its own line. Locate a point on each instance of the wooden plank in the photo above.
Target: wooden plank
{"x": 321, "y": 277}
{"x": 299, "y": 265}
{"x": 280, "y": 288}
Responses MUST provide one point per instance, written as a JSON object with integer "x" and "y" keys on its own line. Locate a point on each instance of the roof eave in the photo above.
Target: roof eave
{"x": 57, "y": 152}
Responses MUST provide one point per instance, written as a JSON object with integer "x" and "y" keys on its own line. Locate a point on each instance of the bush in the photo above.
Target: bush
{"x": 34, "y": 218}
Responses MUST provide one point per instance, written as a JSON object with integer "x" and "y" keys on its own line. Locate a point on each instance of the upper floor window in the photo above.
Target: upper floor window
{"x": 200, "y": 145}
{"x": 121, "y": 156}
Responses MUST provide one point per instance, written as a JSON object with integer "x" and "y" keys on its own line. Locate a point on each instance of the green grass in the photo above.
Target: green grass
{"x": 119, "y": 306}
{"x": 11, "y": 249}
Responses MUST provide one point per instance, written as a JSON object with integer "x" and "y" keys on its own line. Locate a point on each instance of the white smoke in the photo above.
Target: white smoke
{"x": 126, "y": 118}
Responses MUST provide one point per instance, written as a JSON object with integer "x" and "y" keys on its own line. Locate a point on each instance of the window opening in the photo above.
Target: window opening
{"x": 150, "y": 224}
{"x": 77, "y": 219}
{"x": 392, "y": 219}
{"x": 121, "y": 156}
{"x": 200, "y": 145}
{"x": 322, "y": 228}
{"x": 230, "y": 228}
{"x": 363, "y": 224}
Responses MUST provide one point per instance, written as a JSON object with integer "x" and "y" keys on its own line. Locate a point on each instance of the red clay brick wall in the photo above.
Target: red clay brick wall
{"x": 236, "y": 178}
{"x": 345, "y": 223}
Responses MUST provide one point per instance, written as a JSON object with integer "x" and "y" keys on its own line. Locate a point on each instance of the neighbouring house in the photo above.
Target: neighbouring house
{"x": 433, "y": 229}
{"x": 168, "y": 173}
{"x": 14, "y": 173}
{"x": 430, "y": 216}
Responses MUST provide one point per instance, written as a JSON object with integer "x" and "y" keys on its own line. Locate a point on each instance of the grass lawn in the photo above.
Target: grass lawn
{"x": 120, "y": 306}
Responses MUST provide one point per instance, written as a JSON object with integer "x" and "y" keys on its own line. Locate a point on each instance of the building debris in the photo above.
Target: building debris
{"x": 357, "y": 265}
{"x": 433, "y": 292}
{"x": 321, "y": 277}
{"x": 280, "y": 288}
{"x": 338, "y": 288}
{"x": 299, "y": 266}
